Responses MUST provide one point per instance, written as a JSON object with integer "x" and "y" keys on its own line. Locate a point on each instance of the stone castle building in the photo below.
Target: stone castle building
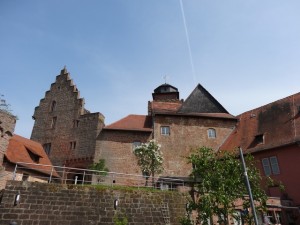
{"x": 74, "y": 137}
{"x": 64, "y": 127}
{"x": 179, "y": 126}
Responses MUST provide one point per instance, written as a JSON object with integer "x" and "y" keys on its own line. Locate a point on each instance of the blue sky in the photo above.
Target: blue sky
{"x": 245, "y": 53}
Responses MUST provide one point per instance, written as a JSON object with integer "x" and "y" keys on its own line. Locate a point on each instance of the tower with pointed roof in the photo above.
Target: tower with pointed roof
{"x": 179, "y": 126}
{"x": 64, "y": 127}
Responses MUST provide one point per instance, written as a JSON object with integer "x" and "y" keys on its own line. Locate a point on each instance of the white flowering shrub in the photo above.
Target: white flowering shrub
{"x": 149, "y": 158}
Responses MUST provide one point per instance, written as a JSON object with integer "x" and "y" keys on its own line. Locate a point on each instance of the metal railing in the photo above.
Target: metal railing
{"x": 78, "y": 176}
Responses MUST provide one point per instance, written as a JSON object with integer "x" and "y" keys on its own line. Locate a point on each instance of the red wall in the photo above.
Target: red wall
{"x": 288, "y": 158}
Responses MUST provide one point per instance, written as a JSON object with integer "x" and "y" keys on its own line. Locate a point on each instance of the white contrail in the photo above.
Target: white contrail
{"x": 188, "y": 42}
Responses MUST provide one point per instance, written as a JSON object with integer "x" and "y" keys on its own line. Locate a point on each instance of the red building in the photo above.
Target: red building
{"x": 271, "y": 133}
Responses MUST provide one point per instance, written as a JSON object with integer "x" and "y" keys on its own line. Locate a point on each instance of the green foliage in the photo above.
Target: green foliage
{"x": 275, "y": 183}
{"x": 99, "y": 166}
{"x": 149, "y": 158}
{"x": 120, "y": 219}
{"x": 185, "y": 221}
{"x": 222, "y": 183}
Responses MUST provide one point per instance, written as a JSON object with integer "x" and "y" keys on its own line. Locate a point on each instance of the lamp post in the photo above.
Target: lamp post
{"x": 248, "y": 186}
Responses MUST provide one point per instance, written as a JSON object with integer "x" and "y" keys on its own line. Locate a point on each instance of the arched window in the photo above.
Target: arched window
{"x": 53, "y": 106}
{"x": 211, "y": 133}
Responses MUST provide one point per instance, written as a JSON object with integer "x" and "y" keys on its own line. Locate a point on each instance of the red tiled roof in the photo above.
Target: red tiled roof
{"x": 165, "y": 106}
{"x": 17, "y": 151}
{"x": 132, "y": 122}
{"x": 277, "y": 123}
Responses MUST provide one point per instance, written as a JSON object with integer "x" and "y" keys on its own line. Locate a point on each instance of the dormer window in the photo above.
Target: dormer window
{"x": 211, "y": 133}
{"x": 259, "y": 139}
{"x": 34, "y": 157}
{"x": 53, "y": 106}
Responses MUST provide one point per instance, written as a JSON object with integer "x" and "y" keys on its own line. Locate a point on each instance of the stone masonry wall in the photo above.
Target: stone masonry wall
{"x": 7, "y": 127}
{"x": 53, "y": 204}
{"x": 186, "y": 134}
{"x": 116, "y": 147}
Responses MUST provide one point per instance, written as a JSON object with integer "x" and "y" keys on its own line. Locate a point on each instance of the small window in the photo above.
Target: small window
{"x": 53, "y": 106}
{"x": 136, "y": 144}
{"x": 211, "y": 133}
{"x": 165, "y": 130}
{"x": 274, "y": 165}
{"x": 270, "y": 166}
{"x": 72, "y": 145}
{"x": 53, "y": 123}
{"x": 266, "y": 166}
{"x": 47, "y": 148}
{"x": 75, "y": 123}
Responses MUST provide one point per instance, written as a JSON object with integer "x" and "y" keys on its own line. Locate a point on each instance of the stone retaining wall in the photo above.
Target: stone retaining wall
{"x": 55, "y": 204}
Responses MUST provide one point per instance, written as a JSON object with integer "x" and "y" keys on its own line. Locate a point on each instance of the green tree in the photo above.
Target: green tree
{"x": 99, "y": 166}
{"x": 222, "y": 183}
{"x": 149, "y": 158}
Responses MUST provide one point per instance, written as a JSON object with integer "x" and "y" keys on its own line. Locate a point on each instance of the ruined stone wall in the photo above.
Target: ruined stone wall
{"x": 53, "y": 204}
{"x": 7, "y": 127}
{"x": 187, "y": 133}
{"x": 62, "y": 122}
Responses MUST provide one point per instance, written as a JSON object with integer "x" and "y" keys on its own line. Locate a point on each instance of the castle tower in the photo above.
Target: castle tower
{"x": 7, "y": 127}
{"x": 64, "y": 127}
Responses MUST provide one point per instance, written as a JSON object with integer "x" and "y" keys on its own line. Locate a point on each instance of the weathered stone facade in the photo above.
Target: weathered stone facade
{"x": 186, "y": 134}
{"x": 7, "y": 127}
{"x": 77, "y": 138}
{"x": 179, "y": 126}
{"x": 53, "y": 204}
{"x": 116, "y": 147}
{"x": 64, "y": 127}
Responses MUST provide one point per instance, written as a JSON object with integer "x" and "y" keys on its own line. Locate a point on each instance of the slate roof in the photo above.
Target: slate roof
{"x": 201, "y": 101}
{"x": 270, "y": 126}
{"x": 133, "y": 123}
{"x": 19, "y": 149}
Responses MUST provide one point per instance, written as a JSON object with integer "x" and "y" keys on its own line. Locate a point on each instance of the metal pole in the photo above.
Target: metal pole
{"x": 50, "y": 178}
{"x": 248, "y": 186}
{"x": 83, "y": 177}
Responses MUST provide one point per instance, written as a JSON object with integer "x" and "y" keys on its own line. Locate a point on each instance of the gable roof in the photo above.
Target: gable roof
{"x": 132, "y": 123}
{"x": 18, "y": 151}
{"x": 270, "y": 126}
{"x": 201, "y": 101}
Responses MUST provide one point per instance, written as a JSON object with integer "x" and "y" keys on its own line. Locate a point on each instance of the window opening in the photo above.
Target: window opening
{"x": 53, "y": 123}
{"x": 136, "y": 144}
{"x": 47, "y": 148}
{"x": 75, "y": 123}
{"x": 165, "y": 130}
{"x": 270, "y": 166}
{"x": 211, "y": 133}
{"x": 53, "y": 106}
{"x": 34, "y": 157}
{"x": 72, "y": 145}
